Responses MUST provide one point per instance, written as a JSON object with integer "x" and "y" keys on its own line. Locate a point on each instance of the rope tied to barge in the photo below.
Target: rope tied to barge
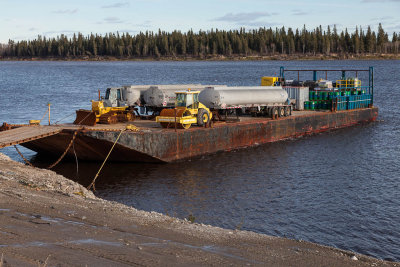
{"x": 59, "y": 159}
{"x": 92, "y": 184}
{"x": 22, "y": 156}
{"x": 66, "y": 150}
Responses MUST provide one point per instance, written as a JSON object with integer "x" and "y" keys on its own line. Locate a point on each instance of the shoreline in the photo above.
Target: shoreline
{"x": 49, "y": 219}
{"x": 295, "y": 57}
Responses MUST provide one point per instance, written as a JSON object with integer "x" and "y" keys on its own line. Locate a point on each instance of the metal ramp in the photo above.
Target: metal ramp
{"x": 26, "y": 133}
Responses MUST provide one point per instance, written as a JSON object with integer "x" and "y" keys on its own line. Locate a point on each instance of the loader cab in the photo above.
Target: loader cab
{"x": 114, "y": 97}
{"x": 188, "y": 99}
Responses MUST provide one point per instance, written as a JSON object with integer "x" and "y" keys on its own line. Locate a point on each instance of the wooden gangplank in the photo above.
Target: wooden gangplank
{"x": 26, "y": 133}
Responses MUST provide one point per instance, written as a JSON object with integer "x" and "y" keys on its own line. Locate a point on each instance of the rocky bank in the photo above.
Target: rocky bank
{"x": 48, "y": 220}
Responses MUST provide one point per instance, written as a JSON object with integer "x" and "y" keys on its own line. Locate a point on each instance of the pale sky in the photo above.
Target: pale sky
{"x": 23, "y": 19}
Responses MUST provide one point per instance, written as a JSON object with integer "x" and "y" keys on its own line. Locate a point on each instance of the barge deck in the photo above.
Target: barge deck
{"x": 151, "y": 143}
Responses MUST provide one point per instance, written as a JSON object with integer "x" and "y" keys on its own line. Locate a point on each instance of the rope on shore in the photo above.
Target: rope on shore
{"x": 22, "y": 156}
{"x": 92, "y": 184}
{"x": 59, "y": 159}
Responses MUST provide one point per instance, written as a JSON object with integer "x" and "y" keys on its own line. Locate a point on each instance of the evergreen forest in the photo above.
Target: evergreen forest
{"x": 206, "y": 44}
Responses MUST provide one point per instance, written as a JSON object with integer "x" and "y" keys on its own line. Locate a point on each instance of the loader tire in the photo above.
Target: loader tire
{"x": 203, "y": 117}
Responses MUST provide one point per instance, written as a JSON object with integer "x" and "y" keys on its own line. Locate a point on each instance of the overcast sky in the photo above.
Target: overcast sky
{"x": 23, "y": 19}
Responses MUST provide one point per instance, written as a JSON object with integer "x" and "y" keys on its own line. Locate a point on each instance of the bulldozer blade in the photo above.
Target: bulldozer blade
{"x": 85, "y": 117}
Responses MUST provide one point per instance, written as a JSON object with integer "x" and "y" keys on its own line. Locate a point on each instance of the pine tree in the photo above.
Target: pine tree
{"x": 260, "y": 41}
{"x": 381, "y": 38}
{"x": 369, "y": 42}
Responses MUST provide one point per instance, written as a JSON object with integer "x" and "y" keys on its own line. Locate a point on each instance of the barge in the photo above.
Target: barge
{"x": 151, "y": 143}
{"x": 330, "y": 108}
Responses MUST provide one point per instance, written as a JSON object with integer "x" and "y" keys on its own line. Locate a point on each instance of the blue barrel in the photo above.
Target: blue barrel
{"x": 351, "y": 102}
{"x": 357, "y": 101}
{"x": 306, "y": 105}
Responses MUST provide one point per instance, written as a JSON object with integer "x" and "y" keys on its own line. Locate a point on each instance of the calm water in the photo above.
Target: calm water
{"x": 339, "y": 188}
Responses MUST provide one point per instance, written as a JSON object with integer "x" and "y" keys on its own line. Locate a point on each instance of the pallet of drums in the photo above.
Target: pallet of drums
{"x": 338, "y": 100}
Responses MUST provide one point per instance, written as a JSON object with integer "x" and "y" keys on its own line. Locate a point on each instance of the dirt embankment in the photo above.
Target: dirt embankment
{"x": 48, "y": 220}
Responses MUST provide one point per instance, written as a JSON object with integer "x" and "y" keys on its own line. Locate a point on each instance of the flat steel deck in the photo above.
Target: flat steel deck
{"x": 151, "y": 143}
{"x": 26, "y": 134}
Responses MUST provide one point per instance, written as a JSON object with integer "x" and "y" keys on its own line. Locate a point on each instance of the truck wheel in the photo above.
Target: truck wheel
{"x": 269, "y": 114}
{"x": 274, "y": 113}
{"x": 281, "y": 112}
{"x": 288, "y": 111}
{"x": 203, "y": 117}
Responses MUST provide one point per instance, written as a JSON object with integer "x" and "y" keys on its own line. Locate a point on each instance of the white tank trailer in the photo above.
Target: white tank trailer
{"x": 126, "y": 95}
{"x": 162, "y": 96}
{"x": 257, "y": 100}
{"x": 219, "y": 87}
{"x": 133, "y": 95}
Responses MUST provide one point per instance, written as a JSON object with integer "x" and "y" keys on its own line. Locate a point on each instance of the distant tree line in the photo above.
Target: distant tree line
{"x": 202, "y": 44}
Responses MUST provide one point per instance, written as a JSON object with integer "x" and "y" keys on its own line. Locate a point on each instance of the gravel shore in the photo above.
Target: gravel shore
{"x": 48, "y": 220}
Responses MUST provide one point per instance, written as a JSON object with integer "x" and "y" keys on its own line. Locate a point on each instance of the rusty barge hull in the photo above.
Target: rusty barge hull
{"x": 154, "y": 144}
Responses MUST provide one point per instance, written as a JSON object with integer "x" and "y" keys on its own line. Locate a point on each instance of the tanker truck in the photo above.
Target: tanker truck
{"x": 159, "y": 97}
{"x": 269, "y": 101}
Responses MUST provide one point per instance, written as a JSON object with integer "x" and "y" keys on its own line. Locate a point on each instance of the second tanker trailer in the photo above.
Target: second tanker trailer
{"x": 256, "y": 100}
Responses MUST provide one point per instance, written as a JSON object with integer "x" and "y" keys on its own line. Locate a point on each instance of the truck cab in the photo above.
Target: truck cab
{"x": 115, "y": 97}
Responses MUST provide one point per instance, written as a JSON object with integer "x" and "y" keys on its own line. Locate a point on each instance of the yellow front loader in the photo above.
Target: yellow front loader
{"x": 188, "y": 110}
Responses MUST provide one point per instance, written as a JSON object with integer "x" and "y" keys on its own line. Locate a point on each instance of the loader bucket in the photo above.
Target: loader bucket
{"x": 85, "y": 117}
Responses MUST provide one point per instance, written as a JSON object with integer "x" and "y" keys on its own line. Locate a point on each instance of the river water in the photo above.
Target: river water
{"x": 340, "y": 188}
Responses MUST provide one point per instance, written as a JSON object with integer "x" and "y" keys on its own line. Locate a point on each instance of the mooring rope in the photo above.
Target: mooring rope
{"x": 59, "y": 159}
{"x": 76, "y": 161}
{"x": 66, "y": 150}
{"x": 22, "y": 156}
{"x": 43, "y": 116}
{"x": 92, "y": 184}
{"x": 64, "y": 118}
